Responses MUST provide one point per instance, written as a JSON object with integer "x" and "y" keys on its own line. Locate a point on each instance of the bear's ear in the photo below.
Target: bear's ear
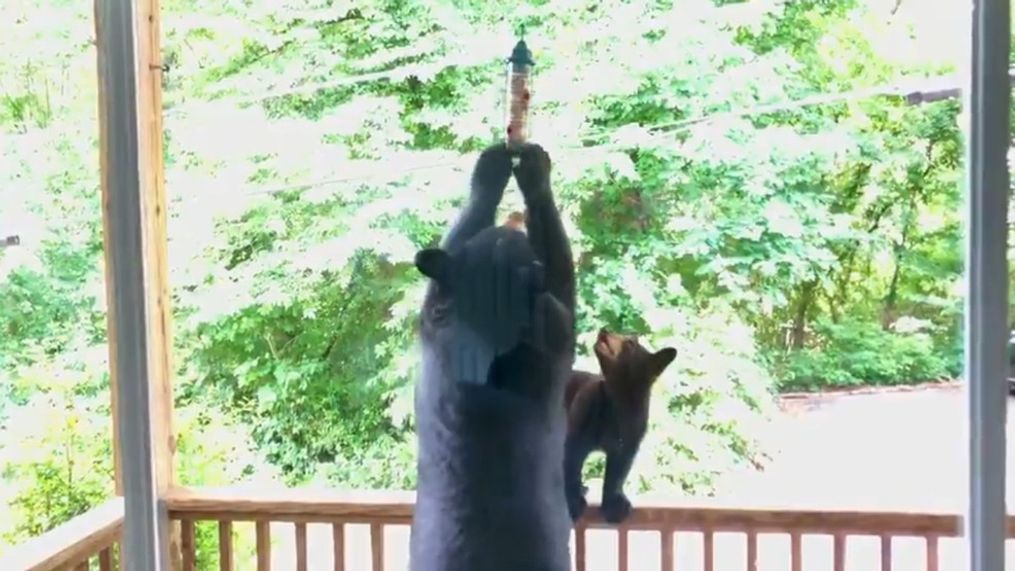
{"x": 662, "y": 359}
{"x": 433, "y": 263}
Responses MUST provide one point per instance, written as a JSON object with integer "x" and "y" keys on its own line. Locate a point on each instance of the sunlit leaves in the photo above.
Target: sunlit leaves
{"x": 340, "y": 139}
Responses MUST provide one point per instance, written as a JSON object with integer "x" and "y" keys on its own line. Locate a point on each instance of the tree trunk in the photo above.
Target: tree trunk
{"x": 798, "y": 335}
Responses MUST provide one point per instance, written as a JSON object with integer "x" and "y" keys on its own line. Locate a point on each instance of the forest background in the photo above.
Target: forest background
{"x": 741, "y": 181}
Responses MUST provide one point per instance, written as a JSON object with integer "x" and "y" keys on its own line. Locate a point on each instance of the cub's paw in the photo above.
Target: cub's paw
{"x": 533, "y": 170}
{"x": 576, "y": 505}
{"x": 615, "y": 508}
{"x": 493, "y": 168}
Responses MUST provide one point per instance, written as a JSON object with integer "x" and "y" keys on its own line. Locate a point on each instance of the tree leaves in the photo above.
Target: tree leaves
{"x": 312, "y": 147}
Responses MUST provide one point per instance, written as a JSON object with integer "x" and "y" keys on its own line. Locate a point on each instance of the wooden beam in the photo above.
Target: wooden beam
{"x": 157, "y": 300}
{"x": 104, "y": 179}
{"x": 137, "y": 290}
{"x": 313, "y": 505}
{"x": 71, "y": 542}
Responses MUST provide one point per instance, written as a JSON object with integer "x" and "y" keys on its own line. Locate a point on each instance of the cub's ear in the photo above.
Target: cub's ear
{"x": 433, "y": 263}
{"x": 662, "y": 359}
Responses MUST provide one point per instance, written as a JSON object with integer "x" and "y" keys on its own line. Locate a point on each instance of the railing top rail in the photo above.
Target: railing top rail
{"x": 325, "y": 505}
{"x": 70, "y": 543}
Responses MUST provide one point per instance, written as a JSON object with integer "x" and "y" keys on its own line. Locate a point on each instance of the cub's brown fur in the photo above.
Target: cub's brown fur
{"x": 609, "y": 412}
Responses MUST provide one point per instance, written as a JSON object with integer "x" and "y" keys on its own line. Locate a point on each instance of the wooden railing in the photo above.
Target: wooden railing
{"x": 381, "y": 509}
{"x": 74, "y": 545}
{"x": 91, "y": 538}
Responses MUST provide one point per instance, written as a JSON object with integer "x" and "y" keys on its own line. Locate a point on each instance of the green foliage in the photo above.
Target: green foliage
{"x": 214, "y": 450}
{"x": 56, "y": 456}
{"x": 56, "y": 453}
{"x": 857, "y": 352}
{"x": 312, "y": 147}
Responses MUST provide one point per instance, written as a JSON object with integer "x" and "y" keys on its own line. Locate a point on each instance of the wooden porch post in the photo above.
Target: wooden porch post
{"x": 137, "y": 289}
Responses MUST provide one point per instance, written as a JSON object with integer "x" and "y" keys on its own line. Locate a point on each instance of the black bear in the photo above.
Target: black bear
{"x": 609, "y": 412}
{"x": 497, "y": 337}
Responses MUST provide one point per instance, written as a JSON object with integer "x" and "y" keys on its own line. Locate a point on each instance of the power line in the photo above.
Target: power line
{"x": 915, "y": 91}
{"x": 933, "y": 89}
{"x": 465, "y": 58}
{"x": 338, "y": 180}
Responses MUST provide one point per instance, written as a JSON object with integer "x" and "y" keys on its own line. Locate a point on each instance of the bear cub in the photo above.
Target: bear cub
{"x": 609, "y": 412}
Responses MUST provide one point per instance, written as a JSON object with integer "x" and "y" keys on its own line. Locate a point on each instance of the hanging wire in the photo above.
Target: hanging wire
{"x": 465, "y": 58}
{"x": 914, "y": 90}
{"x": 381, "y": 173}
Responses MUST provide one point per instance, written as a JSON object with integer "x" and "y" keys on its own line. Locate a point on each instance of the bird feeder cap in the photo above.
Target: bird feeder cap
{"x": 521, "y": 54}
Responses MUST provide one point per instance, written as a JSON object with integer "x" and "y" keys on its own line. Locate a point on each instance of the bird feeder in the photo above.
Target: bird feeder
{"x": 519, "y": 94}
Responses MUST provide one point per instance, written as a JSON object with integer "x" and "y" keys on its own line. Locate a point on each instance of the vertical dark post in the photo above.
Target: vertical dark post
{"x": 145, "y": 527}
{"x": 987, "y": 101}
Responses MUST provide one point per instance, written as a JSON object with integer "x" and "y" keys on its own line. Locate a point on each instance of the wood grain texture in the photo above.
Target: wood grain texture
{"x": 70, "y": 543}
{"x": 668, "y": 556}
{"x": 580, "y": 550}
{"x": 338, "y": 545}
{"x": 188, "y": 545}
{"x": 377, "y": 547}
{"x": 933, "y": 559}
{"x": 301, "y": 546}
{"x": 886, "y": 552}
{"x": 226, "y": 559}
{"x": 708, "y": 550}
{"x": 796, "y": 552}
{"x": 752, "y": 551}
{"x": 262, "y": 531}
{"x": 622, "y": 549}
{"x": 839, "y": 552}
{"x": 106, "y": 559}
{"x": 156, "y": 261}
{"x": 316, "y": 505}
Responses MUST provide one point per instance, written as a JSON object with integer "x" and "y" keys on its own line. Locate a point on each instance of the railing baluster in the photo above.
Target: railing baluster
{"x": 338, "y": 544}
{"x": 886, "y": 553}
{"x": 262, "y": 532}
{"x": 226, "y": 546}
{"x": 932, "y": 556}
{"x": 106, "y": 559}
{"x": 301, "y": 546}
{"x": 579, "y": 548}
{"x": 666, "y": 521}
{"x": 666, "y": 537}
{"x": 621, "y": 549}
{"x": 796, "y": 549}
{"x": 377, "y": 547}
{"x": 752, "y": 551}
{"x": 839, "y": 552}
{"x": 709, "y": 551}
{"x": 187, "y": 545}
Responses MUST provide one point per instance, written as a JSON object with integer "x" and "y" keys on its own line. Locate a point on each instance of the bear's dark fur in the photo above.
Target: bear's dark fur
{"x": 497, "y": 336}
